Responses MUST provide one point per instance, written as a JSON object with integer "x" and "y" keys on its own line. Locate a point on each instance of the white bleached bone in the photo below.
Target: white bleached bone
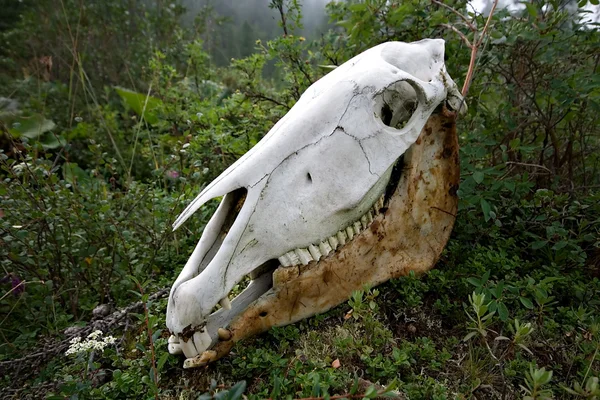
{"x": 309, "y": 181}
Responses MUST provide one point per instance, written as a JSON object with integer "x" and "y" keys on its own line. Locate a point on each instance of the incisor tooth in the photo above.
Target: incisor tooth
{"x": 304, "y": 256}
{"x": 188, "y": 348}
{"x": 225, "y": 303}
{"x": 357, "y": 228}
{"x": 224, "y": 334}
{"x": 370, "y": 216}
{"x": 314, "y": 252}
{"x": 200, "y": 360}
{"x": 175, "y": 348}
{"x": 202, "y": 340}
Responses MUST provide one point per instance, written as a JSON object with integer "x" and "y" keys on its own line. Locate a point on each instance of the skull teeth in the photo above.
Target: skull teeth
{"x": 325, "y": 248}
{"x": 314, "y": 252}
{"x": 285, "y": 260}
{"x": 304, "y": 256}
{"x": 333, "y": 242}
{"x": 350, "y": 233}
{"x": 341, "y": 237}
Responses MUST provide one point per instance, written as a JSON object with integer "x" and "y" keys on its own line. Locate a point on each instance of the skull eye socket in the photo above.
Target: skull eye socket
{"x": 396, "y": 105}
{"x": 386, "y": 114}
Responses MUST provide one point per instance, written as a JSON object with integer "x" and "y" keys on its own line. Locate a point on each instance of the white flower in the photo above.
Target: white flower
{"x": 94, "y": 342}
{"x": 95, "y": 335}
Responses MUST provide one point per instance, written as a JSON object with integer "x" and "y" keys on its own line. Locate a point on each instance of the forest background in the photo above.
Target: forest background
{"x": 114, "y": 113}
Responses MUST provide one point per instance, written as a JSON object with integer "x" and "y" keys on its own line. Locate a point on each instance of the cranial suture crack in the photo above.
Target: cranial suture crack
{"x": 310, "y": 201}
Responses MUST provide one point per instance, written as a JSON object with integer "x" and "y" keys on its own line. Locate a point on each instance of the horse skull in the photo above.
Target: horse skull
{"x": 354, "y": 186}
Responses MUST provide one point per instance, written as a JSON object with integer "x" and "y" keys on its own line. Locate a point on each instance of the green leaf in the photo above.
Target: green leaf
{"x": 51, "y": 141}
{"x": 531, "y": 9}
{"x": 486, "y": 208}
{"x": 539, "y": 244}
{"x": 478, "y": 176}
{"x": 526, "y": 302}
{"x": 560, "y": 245}
{"x": 474, "y": 281}
{"x": 162, "y": 360}
{"x": 75, "y": 175}
{"x": 371, "y": 392}
{"x": 237, "y": 391}
{"x": 502, "y": 312}
{"x": 136, "y": 102}
{"x": 354, "y": 386}
{"x": 30, "y": 127}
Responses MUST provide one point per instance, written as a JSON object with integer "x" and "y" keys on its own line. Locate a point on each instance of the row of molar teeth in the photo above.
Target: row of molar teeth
{"x": 314, "y": 252}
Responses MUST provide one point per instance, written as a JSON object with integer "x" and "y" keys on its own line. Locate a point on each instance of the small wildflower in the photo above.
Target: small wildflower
{"x": 76, "y": 339}
{"x": 95, "y": 335}
{"x": 94, "y": 342}
{"x": 172, "y": 174}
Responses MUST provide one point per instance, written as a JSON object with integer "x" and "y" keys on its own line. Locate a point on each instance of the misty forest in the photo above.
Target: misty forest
{"x": 115, "y": 114}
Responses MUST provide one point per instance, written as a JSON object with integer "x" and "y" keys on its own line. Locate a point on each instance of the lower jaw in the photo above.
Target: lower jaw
{"x": 408, "y": 235}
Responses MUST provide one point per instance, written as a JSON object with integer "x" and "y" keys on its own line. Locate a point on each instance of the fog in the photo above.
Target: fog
{"x": 258, "y": 14}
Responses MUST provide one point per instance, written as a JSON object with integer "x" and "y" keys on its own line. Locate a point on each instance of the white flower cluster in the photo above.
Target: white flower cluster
{"x": 94, "y": 342}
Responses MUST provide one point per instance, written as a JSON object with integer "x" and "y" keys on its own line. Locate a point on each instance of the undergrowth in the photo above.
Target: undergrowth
{"x": 98, "y": 159}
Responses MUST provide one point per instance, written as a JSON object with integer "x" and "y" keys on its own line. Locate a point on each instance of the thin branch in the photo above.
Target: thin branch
{"x": 487, "y": 23}
{"x": 474, "y": 51}
{"x": 528, "y": 165}
{"x": 469, "y": 24}
{"x": 462, "y": 35}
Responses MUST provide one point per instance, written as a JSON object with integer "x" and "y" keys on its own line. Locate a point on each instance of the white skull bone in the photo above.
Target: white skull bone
{"x": 319, "y": 170}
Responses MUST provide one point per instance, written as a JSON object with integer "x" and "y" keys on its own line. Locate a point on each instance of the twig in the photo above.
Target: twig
{"x": 528, "y": 165}
{"x": 459, "y": 33}
{"x": 17, "y": 286}
{"x": 474, "y": 50}
{"x": 469, "y": 24}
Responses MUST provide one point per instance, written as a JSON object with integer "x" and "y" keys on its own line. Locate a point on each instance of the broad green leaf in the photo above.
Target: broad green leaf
{"x": 73, "y": 174}
{"x": 51, "y": 141}
{"x": 478, "y": 176}
{"x": 31, "y": 127}
{"x": 136, "y": 102}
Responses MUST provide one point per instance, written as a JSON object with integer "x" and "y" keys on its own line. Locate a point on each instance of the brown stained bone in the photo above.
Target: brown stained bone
{"x": 409, "y": 236}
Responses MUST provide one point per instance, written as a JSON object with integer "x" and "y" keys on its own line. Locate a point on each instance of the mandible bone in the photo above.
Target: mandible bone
{"x": 301, "y": 207}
